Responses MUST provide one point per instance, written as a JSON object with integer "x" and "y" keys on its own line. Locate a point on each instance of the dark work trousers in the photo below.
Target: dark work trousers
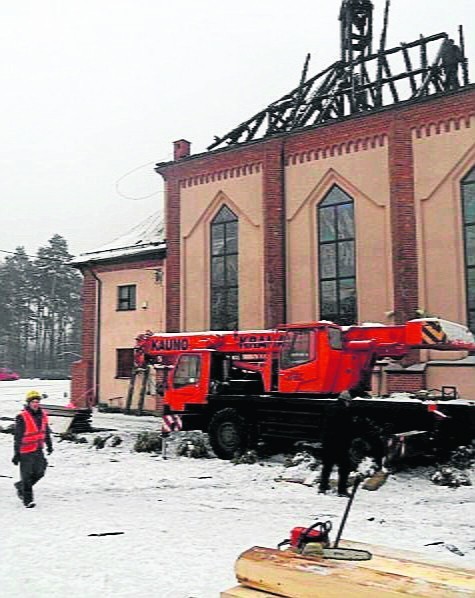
{"x": 32, "y": 469}
{"x": 342, "y": 460}
{"x": 451, "y": 78}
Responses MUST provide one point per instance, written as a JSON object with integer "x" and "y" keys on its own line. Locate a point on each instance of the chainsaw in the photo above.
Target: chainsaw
{"x": 315, "y": 540}
{"x": 318, "y": 533}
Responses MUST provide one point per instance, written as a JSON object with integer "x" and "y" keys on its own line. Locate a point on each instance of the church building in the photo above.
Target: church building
{"x": 350, "y": 199}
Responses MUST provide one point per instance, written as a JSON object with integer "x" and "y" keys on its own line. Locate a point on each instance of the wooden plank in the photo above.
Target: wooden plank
{"x": 130, "y": 391}
{"x": 291, "y": 575}
{"x": 375, "y": 481}
{"x": 243, "y": 592}
{"x": 137, "y": 386}
{"x": 143, "y": 390}
{"x": 60, "y": 417}
{"x": 407, "y": 62}
{"x": 397, "y": 553}
{"x": 389, "y": 75}
{"x": 413, "y": 563}
{"x": 432, "y": 69}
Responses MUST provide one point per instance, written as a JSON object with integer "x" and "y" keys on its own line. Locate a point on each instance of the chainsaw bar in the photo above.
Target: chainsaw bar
{"x": 346, "y": 554}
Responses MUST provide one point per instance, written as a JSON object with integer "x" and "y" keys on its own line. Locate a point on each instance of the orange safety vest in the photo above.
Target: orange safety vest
{"x": 33, "y": 438}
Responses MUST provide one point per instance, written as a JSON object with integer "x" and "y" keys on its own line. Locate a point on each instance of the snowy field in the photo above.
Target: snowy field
{"x": 185, "y": 521}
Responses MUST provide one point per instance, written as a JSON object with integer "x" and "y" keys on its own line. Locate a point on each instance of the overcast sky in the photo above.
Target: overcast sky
{"x": 94, "y": 89}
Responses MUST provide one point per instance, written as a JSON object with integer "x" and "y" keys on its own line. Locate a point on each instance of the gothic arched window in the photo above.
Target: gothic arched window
{"x": 224, "y": 270}
{"x": 468, "y": 211}
{"x": 337, "y": 257}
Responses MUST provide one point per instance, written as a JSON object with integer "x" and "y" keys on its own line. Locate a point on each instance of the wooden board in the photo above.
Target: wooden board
{"x": 288, "y": 574}
{"x": 138, "y": 384}
{"x": 400, "y": 554}
{"x": 375, "y": 481}
{"x": 139, "y": 394}
{"x": 60, "y": 417}
{"x": 243, "y": 592}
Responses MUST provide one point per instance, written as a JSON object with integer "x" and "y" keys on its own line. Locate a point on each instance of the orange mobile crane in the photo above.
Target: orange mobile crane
{"x": 276, "y": 385}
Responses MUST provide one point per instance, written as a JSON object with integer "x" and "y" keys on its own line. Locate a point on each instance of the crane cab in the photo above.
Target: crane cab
{"x": 310, "y": 358}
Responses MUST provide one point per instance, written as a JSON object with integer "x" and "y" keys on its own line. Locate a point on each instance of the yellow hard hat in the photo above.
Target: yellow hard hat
{"x": 32, "y": 394}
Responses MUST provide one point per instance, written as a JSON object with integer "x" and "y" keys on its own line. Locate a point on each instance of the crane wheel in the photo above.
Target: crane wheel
{"x": 228, "y": 433}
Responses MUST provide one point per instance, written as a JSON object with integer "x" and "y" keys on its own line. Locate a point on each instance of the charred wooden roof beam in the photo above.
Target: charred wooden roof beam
{"x": 368, "y": 82}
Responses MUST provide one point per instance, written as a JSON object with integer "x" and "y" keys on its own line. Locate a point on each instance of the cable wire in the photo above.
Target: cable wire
{"x": 124, "y": 195}
{"x": 37, "y": 257}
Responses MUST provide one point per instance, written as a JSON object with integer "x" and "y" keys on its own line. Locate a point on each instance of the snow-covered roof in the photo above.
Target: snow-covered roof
{"x": 143, "y": 238}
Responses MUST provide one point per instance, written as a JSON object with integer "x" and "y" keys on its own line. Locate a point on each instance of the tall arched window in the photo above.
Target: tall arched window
{"x": 337, "y": 259}
{"x": 468, "y": 210}
{"x": 224, "y": 270}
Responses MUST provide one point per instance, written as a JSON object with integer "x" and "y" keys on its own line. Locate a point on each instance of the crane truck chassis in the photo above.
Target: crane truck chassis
{"x": 276, "y": 386}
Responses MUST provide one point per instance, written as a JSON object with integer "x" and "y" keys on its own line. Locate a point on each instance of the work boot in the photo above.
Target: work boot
{"x": 19, "y": 489}
{"x": 28, "y": 498}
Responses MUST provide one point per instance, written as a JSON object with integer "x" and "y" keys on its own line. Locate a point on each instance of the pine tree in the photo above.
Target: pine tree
{"x": 40, "y": 311}
{"x": 58, "y": 305}
{"x": 16, "y": 309}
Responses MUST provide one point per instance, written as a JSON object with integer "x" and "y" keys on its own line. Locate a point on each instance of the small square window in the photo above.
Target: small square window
{"x": 125, "y": 362}
{"x": 126, "y": 297}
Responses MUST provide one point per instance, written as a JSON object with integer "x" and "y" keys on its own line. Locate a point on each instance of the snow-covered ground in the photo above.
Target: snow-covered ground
{"x": 185, "y": 521}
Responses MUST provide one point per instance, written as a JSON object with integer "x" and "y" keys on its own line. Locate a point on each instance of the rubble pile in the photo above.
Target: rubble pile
{"x": 304, "y": 460}
{"x": 451, "y": 477}
{"x": 148, "y": 442}
{"x": 456, "y": 472}
{"x": 463, "y": 457}
{"x": 194, "y": 445}
{"x": 71, "y": 437}
{"x": 248, "y": 458}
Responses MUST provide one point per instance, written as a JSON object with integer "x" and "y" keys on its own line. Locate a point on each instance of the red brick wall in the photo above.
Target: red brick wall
{"x": 405, "y": 381}
{"x": 82, "y": 372}
{"x": 173, "y": 293}
{"x": 274, "y": 235}
{"x": 403, "y": 221}
{"x": 82, "y": 381}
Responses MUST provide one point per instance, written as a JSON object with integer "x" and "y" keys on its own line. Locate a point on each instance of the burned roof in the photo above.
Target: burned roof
{"x": 362, "y": 80}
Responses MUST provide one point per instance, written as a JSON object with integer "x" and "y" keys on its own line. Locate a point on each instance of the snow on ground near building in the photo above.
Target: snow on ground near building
{"x": 185, "y": 521}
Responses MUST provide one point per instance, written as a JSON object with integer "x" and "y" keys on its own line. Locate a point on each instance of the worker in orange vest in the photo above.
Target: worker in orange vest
{"x": 32, "y": 433}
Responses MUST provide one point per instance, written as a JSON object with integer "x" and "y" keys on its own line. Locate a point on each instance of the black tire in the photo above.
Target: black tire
{"x": 228, "y": 433}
